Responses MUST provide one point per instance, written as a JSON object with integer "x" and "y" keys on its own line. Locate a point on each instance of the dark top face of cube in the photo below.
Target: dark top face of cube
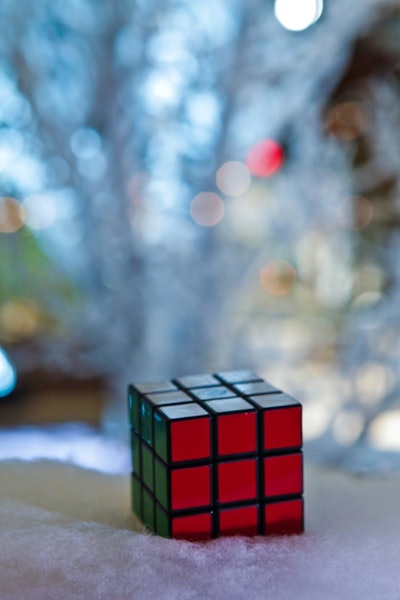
{"x": 277, "y": 400}
{"x": 198, "y": 381}
{"x": 213, "y": 393}
{"x": 229, "y": 405}
{"x": 242, "y": 376}
{"x": 258, "y": 387}
{"x": 183, "y": 411}
{"x": 165, "y": 398}
{"x": 152, "y": 387}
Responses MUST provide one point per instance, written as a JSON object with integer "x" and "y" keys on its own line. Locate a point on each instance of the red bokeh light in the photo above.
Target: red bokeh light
{"x": 265, "y": 158}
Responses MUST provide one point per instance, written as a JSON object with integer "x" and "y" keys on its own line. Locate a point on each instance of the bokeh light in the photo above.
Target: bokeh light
{"x": 265, "y": 158}
{"x": 85, "y": 143}
{"x": 346, "y": 121}
{"x": 12, "y": 215}
{"x": 373, "y": 381}
{"x": 356, "y": 213}
{"x": 317, "y": 418}
{"x": 384, "y": 431}
{"x": 207, "y": 209}
{"x": 347, "y": 426}
{"x": 8, "y": 375}
{"x": 19, "y": 319}
{"x": 278, "y": 277}
{"x": 233, "y": 178}
{"x": 297, "y": 15}
{"x": 40, "y": 211}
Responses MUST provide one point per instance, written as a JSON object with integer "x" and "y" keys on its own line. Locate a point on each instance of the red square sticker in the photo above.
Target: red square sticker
{"x": 192, "y": 527}
{"x": 190, "y": 487}
{"x": 242, "y": 520}
{"x": 190, "y": 439}
{"x": 282, "y": 428}
{"x": 237, "y": 480}
{"x": 237, "y": 433}
{"x": 283, "y": 518}
{"x": 283, "y": 474}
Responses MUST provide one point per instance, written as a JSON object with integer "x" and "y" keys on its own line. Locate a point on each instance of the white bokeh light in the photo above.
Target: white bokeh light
{"x": 297, "y": 15}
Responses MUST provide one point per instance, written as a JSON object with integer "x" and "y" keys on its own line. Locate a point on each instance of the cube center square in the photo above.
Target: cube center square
{"x": 212, "y": 393}
{"x": 216, "y": 455}
{"x": 197, "y": 381}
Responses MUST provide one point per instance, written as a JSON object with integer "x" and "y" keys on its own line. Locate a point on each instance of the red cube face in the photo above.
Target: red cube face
{"x": 282, "y": 428}
{"x": 284, "y": 518}
{"x": 237, "y": 433}
{"x": 190, "y": 487}
{"x": 239, "y": 521}
{"x": 283, "y": 475}
{"x": 192, "y": 527}
{"x": 190, "y": 439}
{"x": 237, "y": 480}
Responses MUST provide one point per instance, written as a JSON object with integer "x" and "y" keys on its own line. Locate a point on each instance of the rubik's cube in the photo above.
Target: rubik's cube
{"x": 216, "y": 455}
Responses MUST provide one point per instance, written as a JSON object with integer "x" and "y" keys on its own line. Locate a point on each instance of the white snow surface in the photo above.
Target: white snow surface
{"x": 67, "y": 532}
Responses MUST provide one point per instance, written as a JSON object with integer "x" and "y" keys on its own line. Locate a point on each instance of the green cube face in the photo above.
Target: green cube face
{"x": 134, "y": 408}
{"x": 162, "y": 522}
{"x": 161, "y": 437}
{"x": 161, "y": 484}
{"x": 146, "y": 416}
{"x": 136, "y": 454}
{"x": 148, "y": 510}
{"x": 148, "y": 467}
{"x": 137, "y": 504}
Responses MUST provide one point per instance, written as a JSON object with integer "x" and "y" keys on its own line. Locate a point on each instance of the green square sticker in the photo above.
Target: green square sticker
{"x": 137, "y": 498}
{"x": 148, "y": 510}
{"x": 134, "y": 408}
{"x": 148, "y": 467}
{"x": 146, "y": 416}
{"x": 161, "y": 436}
{"x": 136, "y": 454}
{"x": 161, "y": 484}
{"x": 162, "y": 522}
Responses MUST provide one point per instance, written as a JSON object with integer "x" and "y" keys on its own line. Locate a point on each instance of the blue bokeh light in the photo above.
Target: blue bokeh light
{"x": 8, "y": 375}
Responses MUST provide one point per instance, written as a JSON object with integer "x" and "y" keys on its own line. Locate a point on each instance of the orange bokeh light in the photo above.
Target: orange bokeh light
{"x": 278, "y": 277}
{"x": 265, "y": 158}
{"x": 12, "y": 215}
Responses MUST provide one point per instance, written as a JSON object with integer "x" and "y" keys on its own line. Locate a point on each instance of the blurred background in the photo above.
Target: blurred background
{"x": 189, "y": 187}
